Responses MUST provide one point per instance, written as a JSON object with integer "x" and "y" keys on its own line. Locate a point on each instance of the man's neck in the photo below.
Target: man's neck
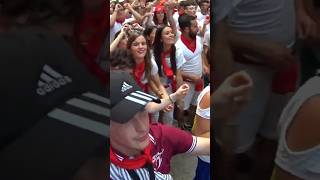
{"x": 120, "y": 150}
{"x": 188, "y": 37}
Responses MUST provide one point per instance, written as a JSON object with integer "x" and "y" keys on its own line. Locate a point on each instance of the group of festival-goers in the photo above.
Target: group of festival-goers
{"x": 261, "y": 63}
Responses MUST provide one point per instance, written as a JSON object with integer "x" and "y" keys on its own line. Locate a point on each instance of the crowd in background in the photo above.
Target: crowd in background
{"x": 274, "y": 132}
{"x": 164, "y": 46}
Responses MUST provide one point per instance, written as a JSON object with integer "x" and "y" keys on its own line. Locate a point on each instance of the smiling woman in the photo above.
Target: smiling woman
{"x": 145, "y": 70}
{"x": 169, "y": 60}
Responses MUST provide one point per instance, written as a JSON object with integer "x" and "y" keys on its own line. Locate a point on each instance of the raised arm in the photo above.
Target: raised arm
{"x": 114, "y": 44}
{"x": 169, "y": 6}
{"x": 114, "y": 15}
{"x": 135, "y": 14}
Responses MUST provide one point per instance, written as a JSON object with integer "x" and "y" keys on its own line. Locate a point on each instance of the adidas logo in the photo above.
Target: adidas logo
{"x": 125, "y": 86}
{"x": 51, "y": 80}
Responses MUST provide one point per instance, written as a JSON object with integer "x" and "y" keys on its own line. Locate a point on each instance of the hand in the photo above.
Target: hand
{"x": 168, "y": 108}
{"x": 232, "y": 94}
{"x": 278, "y": 56}
{"x": 169, "y": 5}
{"x": 127, "y": 6}
{"x": 117, "y": 8}
{"x": 181, "y": 92}
{"x": 306, "y": 26}
{"x": 206, "y": 70}
{"x": 125, "y": 28}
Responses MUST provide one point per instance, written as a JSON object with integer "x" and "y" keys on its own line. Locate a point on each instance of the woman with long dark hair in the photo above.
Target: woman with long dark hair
{"x": 162, "y": 16}
{"x": 150, "y": 32}
{"x": 169, "y": 59}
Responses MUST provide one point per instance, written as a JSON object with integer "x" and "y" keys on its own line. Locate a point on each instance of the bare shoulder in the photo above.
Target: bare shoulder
{"x": 303, "y": 133}
{"x": 205, "y": 101}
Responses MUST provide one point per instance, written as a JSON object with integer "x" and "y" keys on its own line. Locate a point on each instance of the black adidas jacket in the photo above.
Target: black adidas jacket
{"x": 53, "y": 112}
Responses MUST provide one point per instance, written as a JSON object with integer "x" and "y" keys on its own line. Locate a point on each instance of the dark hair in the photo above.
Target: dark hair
{"x": 155, "y": 19}
{"x": 147, "y": 58}
{"x": 15, "y": 7}
{"x": 147, "y": 31}
{"x": 121, "y": 58}
{"x": 158, "y": 49}
{"x": 117, "y": 34}
{"x": 203, "y": 1}
{"x": 185, "y": 21}
{"x": 40, "y": 10}
{"x": 187, "y": 3}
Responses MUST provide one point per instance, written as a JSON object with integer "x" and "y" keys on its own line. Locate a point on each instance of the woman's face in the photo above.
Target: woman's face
{"x": 160, "y": 15}
{"x": 139, "y": 48}
{"x": 152, "y": 35}
{"x": 167, "y": 36}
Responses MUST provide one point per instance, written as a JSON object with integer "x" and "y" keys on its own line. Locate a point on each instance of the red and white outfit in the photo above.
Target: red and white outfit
{"x": 165, "y": 142}
{"x": 193, "y": 66}
{"x": 167, "y": 78}
{"x": 140, "y": 76}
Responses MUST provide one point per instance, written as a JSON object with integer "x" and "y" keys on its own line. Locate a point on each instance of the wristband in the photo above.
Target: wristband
{"x": 171, "y": 99}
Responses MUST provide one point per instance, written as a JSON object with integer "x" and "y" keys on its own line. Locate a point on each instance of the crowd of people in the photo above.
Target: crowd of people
{"x": 168, "y": 41}
{"x": 272, "y": 135}
{"x": 262, "y": 55}
{"x": 159, "y": 49}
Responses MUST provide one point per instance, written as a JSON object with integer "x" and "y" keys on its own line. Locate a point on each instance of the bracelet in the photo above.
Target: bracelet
{"x": 170, "y": 98}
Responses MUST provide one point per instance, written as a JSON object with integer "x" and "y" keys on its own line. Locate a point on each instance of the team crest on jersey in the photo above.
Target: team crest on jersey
{"x": 157, "y": 159}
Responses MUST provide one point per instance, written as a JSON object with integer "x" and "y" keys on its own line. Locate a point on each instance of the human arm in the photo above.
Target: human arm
{"x": 205, "y": 64}
{"x": 205, "y": 25}
{"x": 302, "y": 133}
{"x": 306, "y": 25}
{"x": 114, "y": 15}
{"x": 202, "y": 147}
{"x": 201, "y": 126}
{"x": 135, "y": 14}
{"x": 179, "y": 94}
{"x": 274, "y": 54}
{"x": 169, "y": 6}
{"x": 223, "y": 62}
{"x": 114, "y": 44}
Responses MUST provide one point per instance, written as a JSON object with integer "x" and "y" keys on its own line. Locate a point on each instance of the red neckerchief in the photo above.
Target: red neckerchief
{"x": 180, "y": 12}
{"x": 121, "y": 21}
{"x": 138, "y": 72}
{"x": 136, "y": 163}
{"x": 285, "y": 80}
{"x": 192, "y": 45}
{"x": 90, "y": 34}
{"x": 167, "y": 70}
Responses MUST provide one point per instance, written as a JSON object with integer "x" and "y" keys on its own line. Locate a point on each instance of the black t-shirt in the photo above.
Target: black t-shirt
{"x": 52, "y": 109}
